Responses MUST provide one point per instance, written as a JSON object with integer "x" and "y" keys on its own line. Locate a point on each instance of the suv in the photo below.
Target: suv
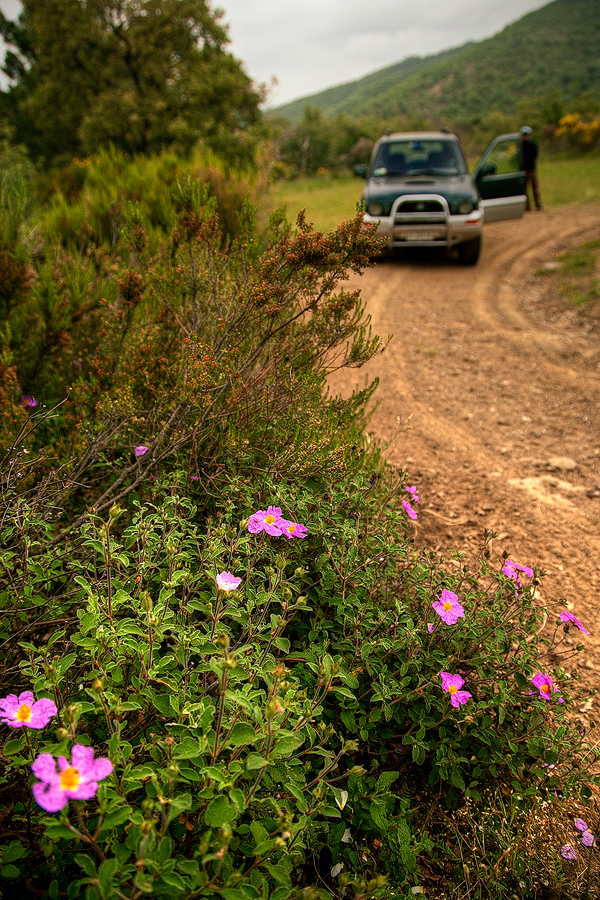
{"x": 420, "y": 193}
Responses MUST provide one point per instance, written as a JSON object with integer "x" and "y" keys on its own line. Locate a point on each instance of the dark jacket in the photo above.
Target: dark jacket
{"x": 529, "y": 152}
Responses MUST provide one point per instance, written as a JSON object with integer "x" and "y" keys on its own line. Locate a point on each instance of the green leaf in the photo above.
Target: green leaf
{"x": 238, "y": 798}
{"x": 256, "y": 761}
{"x": 297, "y": 793}
{"x": 12, "y": 747}
{"x": 163, "y": 704}
{"x": 385, "y": 780}
{"x": 241, "y": 735}
{"x": 457, "y": 782}
{"x": 343, "y": 692}
{"x": 105, "y": 874}
{"x": 282, "y": 644}
{"x": 189, "y": 748}
{"x": 56, "y": 831}
{"x": 378, "y": 814}
{"x": 13, "y": 851}
{"x": 10, "y": 872}
{"x": 283, "y": 893}
{"x": 117, "y": 818}
{"x": 174, "y": 881}
{"x": 331, "y": 811}
{"x": 219, "y": 812}
{"x": 86, "y": 863}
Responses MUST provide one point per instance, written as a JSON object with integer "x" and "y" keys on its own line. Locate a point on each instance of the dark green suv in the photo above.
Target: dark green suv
{"x": 420, "y": 193}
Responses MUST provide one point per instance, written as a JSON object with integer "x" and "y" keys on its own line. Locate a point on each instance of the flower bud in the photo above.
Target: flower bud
{"x": 70, "y": 713}
{"x": 244, "y": 524}
{"x": 115, "y": 511}
{"x": 270, "y": 571}
{"x": 62, "y": 733}
{"x": 280, "y": 563}
{"x": 173, "y": 770}
{"x": 358, "y": 771}
{"x": 97, "y": 686}
{"x": 278, "y": 844}
{"x": 300, "y": 572}
{"x": 223, "y": 640}
{"x": 146, "y": 601}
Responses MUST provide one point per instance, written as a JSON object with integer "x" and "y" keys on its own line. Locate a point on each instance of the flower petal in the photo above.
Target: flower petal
{"x": 49, "y": 796}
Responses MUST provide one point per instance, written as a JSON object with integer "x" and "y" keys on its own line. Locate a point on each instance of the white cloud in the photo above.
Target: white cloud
{"x": 310, "y": 45}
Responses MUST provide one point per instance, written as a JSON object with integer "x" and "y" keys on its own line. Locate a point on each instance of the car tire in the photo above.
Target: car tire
{"x": 468, "y": 253}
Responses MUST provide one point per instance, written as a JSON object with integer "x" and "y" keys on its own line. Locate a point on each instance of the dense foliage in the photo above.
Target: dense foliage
{"x": 142, "y": 74}
{"x": 211, "y": 614}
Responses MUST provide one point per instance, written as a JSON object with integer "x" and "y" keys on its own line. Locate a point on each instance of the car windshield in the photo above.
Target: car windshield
{"x": 419, "y": 157}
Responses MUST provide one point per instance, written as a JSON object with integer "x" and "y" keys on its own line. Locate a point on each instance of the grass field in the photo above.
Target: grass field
{"x": 331, "y": 200}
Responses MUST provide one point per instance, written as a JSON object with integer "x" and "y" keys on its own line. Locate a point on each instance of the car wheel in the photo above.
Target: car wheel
{"x": 468, "y": 253}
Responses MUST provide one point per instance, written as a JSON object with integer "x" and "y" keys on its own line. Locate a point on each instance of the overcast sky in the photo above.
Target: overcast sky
{"x": 310, "y": 45}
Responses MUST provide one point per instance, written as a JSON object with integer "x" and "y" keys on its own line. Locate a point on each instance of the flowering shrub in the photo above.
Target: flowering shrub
{"x": 220, "y": 733}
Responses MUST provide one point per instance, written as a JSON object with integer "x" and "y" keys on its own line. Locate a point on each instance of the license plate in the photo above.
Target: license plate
{"x": 420, "y": 235}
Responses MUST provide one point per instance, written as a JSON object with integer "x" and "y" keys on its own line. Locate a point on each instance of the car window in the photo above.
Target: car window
{"x": 422, "y": 157}
{"x": 505, "y": 157}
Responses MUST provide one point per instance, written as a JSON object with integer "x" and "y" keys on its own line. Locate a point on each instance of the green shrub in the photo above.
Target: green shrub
{"x": 267, "y": 736}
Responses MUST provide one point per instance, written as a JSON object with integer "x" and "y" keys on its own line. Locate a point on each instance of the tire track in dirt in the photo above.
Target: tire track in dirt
{"x": 492, "y": 396}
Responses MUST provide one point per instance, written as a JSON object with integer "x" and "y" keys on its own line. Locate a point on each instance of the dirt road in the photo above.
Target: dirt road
{"x": 501, "y": 380}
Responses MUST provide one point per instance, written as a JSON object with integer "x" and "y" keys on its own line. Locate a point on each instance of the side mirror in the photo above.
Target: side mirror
{"x": 361, "y": 170}
{"x": 488, "y": 168}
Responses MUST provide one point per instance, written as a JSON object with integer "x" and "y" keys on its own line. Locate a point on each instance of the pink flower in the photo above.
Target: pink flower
{"x": 567, "y": 616}
{"x": 25, "y": 711}
{"x": 448, "y": 607}
{"x": 195, "y": 477}
{"x": 588, "y": 839}
{"x": 545, "y": 685}
{"x": 567, "y": 852}
{"x": 141, "y": 450}
{"x": 77, "y": 780}
{"x": 430, "y": 627}
{"x": 26, "y": 401}
{"x": 580, "y": 825}
{"x": 452, "y": 684}
{"x": 409, "y": 510}
{"x": 268, "y": 520}
{"x": 293, "y": 529}
{"x": 413, "y": 492}
{"x": 510, "y": 568}
{"x": 228, "y": 582}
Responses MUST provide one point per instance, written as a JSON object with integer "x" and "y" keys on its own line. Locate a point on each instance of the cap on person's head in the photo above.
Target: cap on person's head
{"x": 526, "y": 130}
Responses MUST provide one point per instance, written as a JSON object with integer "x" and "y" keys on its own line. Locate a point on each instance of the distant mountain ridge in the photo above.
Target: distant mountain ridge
{"x": 556, "y": 48}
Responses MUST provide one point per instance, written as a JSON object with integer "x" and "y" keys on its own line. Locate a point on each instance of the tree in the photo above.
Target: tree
{"x": 142, "y": 74}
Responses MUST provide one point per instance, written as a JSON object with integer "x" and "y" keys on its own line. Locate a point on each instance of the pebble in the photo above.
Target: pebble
{"x": 564, "y": 463}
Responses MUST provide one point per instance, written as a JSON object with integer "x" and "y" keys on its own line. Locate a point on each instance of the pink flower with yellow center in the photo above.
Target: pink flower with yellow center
{"x": 448, "y": 607}
{"x": 452, "y": 684}
{"x": 228, "y": 582}
{"x": 26, "y": 711}
{"x": 292, "y": 529}
{"x": 545, "y": 686}
{"x": 75, "y": 780}
{"x": 268, "y": 520}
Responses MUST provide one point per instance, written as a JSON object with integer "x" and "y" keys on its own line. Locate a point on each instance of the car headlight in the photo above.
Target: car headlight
{"x": 375, "y": 208}
{"x": 465, "y": 207}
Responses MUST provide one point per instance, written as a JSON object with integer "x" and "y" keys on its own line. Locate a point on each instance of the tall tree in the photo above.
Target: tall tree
{"x": 141, "y": 73}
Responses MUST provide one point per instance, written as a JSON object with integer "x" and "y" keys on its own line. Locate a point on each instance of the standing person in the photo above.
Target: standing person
{"x": 529, "y": 152}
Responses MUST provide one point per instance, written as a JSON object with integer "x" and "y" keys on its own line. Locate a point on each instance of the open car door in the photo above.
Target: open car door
{"x": 500, "y": 179}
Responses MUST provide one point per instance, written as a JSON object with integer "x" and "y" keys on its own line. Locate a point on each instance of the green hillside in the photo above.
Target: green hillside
{"x": 337, "y": 100}
{"x": 556, "y": 48}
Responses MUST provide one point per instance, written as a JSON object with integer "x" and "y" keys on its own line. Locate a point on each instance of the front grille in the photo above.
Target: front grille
{"x": 420, "y": 206}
